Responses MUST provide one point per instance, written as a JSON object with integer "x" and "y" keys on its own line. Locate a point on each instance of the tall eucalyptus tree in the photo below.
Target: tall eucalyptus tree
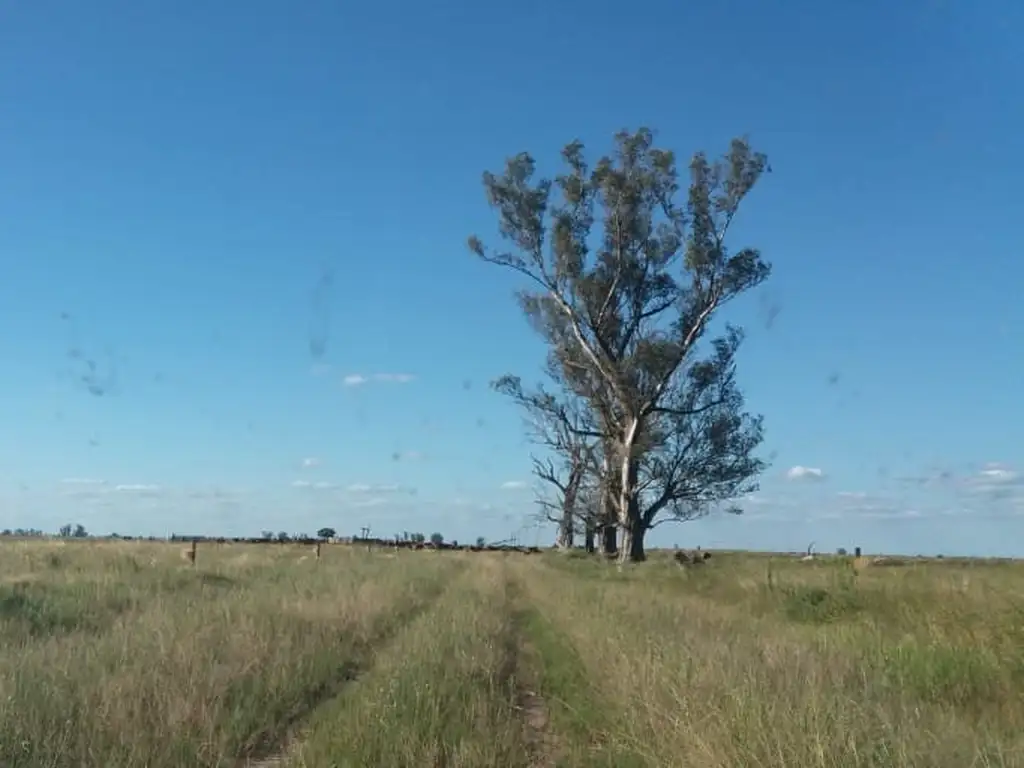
{"x": 625, "y": 281}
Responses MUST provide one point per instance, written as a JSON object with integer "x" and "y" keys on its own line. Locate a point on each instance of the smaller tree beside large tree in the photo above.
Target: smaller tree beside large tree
{"x": 562, "y": 428}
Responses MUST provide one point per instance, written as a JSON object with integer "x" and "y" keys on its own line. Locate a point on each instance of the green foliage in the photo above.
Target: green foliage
{"x": 31, "y": 609}
{"x": 943, "y": 674}
{"x": 436, "y": 539}
{"x": 820, "y": 605}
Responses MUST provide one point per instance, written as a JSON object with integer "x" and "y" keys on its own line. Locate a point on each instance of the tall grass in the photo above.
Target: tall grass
{"x": 121, "y": 654}
{"x": 796, "y": 664}
{"x": 443, "y": 694}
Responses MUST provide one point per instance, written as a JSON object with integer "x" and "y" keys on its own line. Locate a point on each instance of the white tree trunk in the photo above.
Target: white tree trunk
{"x": 630, "y": 520}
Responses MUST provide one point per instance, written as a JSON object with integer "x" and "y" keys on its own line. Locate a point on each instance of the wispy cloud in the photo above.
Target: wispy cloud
{"x": 319, "y": 485}
{"x": 929, "y": 479}
{"x": 894, "y": 513}
{"x": 81, "y": 481}
{"x": 890, "y": 506}
{"x": 358, "y": 379}
{"x": 805, "y": 473}
{"x": 310, "y": 462}
{"x": 995, "y": 473}
{"x": 996, "y": 481}
{"x": 137, "y": 488}
{"x": 362, "y": 488}
{"x": 513, "y": 485}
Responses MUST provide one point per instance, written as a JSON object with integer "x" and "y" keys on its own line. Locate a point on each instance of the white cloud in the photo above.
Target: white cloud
{"x": 319, "y": 485}
{"x": 852, "y": 495}
{"x": 137, "y": 488}
{"x": 385, "y": 489}
{"x": 805, "y": 473}
{"x": 997, "y": 482}
{"x": 513, "y": 485}
{"x": 888, "y": 513}
{"x": 998, "y": 474}
{"x": 356, "y": 379}
{"x": 310, "y": 462}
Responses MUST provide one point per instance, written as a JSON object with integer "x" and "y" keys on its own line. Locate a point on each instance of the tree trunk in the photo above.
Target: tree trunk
{"x": 609, "y": 515}
{"x": 633, "y": 544}
{"x": 588, "y": 538}
{"x": 630, "y": 518}
{"x": 565, "y": 537}
{"x": 610, "y": 539}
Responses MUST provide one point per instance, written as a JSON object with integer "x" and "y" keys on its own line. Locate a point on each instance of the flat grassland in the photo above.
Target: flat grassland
{"x": 122, "y": 654}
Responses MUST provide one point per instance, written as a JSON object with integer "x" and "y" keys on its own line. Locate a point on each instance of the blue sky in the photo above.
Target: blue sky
{"x": 211, "y": 221}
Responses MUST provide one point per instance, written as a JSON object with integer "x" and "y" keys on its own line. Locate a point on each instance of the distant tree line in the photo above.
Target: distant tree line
{"x": 66, "y": 531}
{"x": 413, "y": 539}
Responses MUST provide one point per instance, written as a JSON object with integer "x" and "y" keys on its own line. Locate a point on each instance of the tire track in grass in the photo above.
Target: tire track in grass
{"x": 442, "y": 695}
{"x": 580, "y": 722}
{"x": 524, "y": 665}
{"x": 273, "y": 747}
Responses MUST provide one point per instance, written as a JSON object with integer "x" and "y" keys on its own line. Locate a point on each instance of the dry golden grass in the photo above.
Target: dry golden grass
{"x": 752, "y": 661}
{"x": 121, "y": 654}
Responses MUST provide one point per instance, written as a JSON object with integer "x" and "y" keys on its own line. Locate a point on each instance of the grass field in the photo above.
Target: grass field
{"x": 121, "y": 654}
